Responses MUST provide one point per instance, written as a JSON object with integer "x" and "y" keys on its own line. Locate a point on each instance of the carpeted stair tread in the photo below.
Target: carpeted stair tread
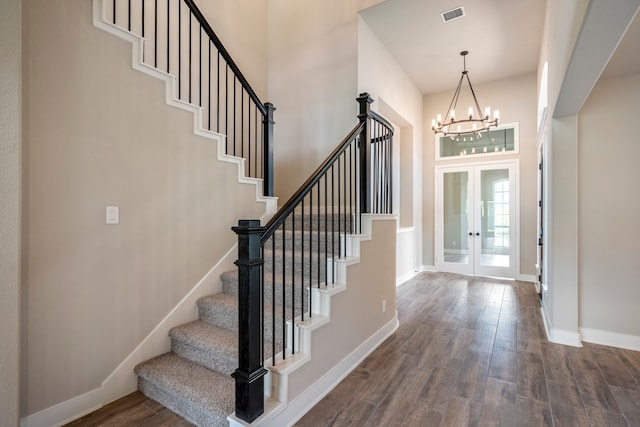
{"x": 219, "y": 310}
{"x": 230, "y": 284}
{"x": 184, "y": 386}
{"x": 207, "y": 345}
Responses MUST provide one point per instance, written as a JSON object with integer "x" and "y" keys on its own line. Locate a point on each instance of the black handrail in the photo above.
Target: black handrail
{"x": 225, "y": 55}
{"x": 280, "y": 263}
{"x": 282, "y": 213}
{"x": 180, "y": 41}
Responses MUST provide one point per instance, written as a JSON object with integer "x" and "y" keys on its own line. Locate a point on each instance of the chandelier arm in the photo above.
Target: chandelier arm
{"x": 473, "y": 93}
{"x": 454, "y": 100}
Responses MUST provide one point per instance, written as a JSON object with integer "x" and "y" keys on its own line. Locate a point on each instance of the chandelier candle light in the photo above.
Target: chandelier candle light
{"x": 471, "y": 125}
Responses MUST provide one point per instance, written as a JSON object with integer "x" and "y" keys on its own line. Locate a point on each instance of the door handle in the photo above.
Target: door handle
{"x": 470, "y": 234}
{"x": 477, "y": 234}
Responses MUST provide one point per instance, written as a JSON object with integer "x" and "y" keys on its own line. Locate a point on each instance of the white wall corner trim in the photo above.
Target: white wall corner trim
{"x": 613, "y": 339}
{"x": 526, "y": 278}
{"x": 560, "y": 336}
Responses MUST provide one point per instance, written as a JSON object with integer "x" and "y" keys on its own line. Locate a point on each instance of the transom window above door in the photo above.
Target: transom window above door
{"x": 500, "y": 141}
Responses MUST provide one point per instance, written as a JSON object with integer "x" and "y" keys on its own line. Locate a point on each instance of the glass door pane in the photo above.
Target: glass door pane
{"x": 455, "y": 215}
{"x": 493, "y": 230}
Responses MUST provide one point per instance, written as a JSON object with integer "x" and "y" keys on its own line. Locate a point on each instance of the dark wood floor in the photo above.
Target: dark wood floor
{"x": 468, "y": 352}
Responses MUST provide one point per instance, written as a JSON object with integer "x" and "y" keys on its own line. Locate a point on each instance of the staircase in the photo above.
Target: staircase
{"x": 193, "y": 379}
{"x": 306, "y": 254}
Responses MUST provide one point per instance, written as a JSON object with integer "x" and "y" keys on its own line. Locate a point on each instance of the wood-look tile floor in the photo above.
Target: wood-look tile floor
{"x": 472, "y": 352}
{"x": 469, "y": 352}
{"x": 132, "y": 410}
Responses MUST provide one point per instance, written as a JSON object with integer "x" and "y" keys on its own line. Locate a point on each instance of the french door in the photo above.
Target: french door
{"x": 476, "y": 221}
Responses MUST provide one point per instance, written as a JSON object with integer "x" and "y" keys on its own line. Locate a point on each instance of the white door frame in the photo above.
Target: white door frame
{"x": 473, "y": 266}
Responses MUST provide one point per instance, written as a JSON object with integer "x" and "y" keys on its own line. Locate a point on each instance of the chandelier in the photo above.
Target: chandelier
{"x": 472, "y": 125}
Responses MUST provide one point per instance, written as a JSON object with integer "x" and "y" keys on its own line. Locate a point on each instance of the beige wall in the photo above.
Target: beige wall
{"x": 369, "y": 282}
{"x": 312, "y": 82}
{"x": 399, "y": 100}
{"x": 609, "y": 208}
{"x": 241, "y": 26}
{"x": 99, "y": 134}
{"x": 516, "y": 99}
{"x": 10, "y": 197}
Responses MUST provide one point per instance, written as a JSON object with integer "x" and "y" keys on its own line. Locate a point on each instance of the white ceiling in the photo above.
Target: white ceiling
{"x": 503, "y": 38}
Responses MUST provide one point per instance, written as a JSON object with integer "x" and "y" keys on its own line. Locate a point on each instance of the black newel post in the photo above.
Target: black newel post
{"x": 250, "y": 373}
{"x": 365, "y": 152}
{"x": 267, "y": 151}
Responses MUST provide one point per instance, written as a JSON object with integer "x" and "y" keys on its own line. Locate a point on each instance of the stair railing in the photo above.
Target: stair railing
{"x": 281, "y": 262}
{"x": 179, "y": 41}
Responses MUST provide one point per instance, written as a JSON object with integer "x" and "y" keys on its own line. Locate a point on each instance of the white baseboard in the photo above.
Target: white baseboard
{"x": 123, "y": 380}
{"x": 560, "y": 336}
{"x": 526, "y": 278}
{"x": 311, "y": 396}
{"x": 404, "y": 278}
{"x": 613, "y": 339}
{"x": 66, "y": 411}
{"x": 430, "y": 268}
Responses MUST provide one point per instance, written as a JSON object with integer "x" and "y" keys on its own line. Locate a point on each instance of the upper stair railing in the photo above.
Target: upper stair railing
{"x": 280, "y": 264}
{"x": 179, "y": 41}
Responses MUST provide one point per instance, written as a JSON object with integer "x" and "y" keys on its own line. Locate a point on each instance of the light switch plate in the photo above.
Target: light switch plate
{"x": 113, "y": 215}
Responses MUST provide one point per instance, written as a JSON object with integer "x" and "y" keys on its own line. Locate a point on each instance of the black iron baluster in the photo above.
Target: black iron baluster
{"x": 219, "y": 98}
{"x": 200, "y": 66}
{"x": 114, "y": 12}
{"x": 226, "y": 106}
{"x": 234, "y": 116}
{"x": 168, "y": 34}
{"x": 390, "y": 171}
{"x": 339, "y": 211}
{"x": 351, "y": 172}
{"x": 284, "y": 292}
{"x": 273, "y": 299}
{"x": 190, "y": 52}
{"x": 241, "y": 122}
{"x": 142, "y": 16}
{"x": 262, "y": 300}
{"x": 179, "y": 50}
{"x": 318, "y": 228}
{"x": 326, "y": 237}
{"x": 249, "y": 137}
{"x": 209, "y": 90}
{"x": 293, "y": 284}
{"x": 333, "y": 228}
{"x": 155, "y": 35}
{"x": 302, "y": 262}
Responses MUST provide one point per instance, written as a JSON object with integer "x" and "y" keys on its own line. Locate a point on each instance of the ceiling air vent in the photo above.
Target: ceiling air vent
{"x": 452, "y": 14}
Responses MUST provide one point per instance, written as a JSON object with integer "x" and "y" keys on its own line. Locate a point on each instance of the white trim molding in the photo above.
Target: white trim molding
{"x": 613, "y": 339}
{"x": 67, "y": 411}
{"x": 560, "y": 336}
